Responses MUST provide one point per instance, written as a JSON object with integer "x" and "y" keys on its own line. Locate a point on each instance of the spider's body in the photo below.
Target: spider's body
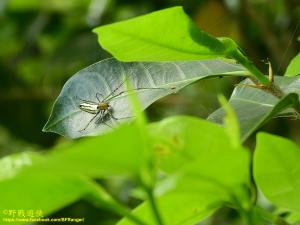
{"x": 93, "y": 107}
{"x": 101, "y": 108}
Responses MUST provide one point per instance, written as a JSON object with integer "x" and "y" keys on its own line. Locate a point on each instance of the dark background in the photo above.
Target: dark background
{"x": 44, "y": 42}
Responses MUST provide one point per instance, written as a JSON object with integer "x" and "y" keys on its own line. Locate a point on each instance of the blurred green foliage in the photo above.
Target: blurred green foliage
{"x": 44, "y": 42}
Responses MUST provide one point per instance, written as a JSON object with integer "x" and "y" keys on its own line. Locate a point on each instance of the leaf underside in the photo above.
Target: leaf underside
{"x": 255, "y": 107}
{"x": 153, "y": 79}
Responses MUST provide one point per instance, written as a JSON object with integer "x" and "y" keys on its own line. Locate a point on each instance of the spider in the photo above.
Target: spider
{"x": 102, "y": 107}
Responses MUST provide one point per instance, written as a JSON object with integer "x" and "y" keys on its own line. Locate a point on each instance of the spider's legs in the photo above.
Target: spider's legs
{"x": 102, "y": 119}
{"x": 97, "y": 96}
{"x": 86, "y": 101}
{"x": 89, "y": 122}
{"x": 116, "y": 119}
{"x": 114, "y": 91}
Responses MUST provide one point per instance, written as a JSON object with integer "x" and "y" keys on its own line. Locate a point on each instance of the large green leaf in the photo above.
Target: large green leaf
{"x": 51, "y": 181}
{"x": 165, "y": 35}
{"x": 277, "y": 170}
{"x": 118, "y": 153}
{"x": 203, "y": 175}
{"x": 179, "y": 208}
{"x": 168, "y": 35}
{"x": 103, "y": 77}
{"x": 21, "y": 190}
{"x": 294, "y": 67}
{"x": 190, "y": 144}
{"x": 255, "y": 107}
{"x": 203, "y": 171}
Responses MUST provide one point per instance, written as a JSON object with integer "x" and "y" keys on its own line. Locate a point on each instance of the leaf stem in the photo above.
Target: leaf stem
{"x": 247, "y": 216}
{"x": 154, "y": 207}
{"x": 238, "y": 56}
{"x": 246, "y": 213}
{"x": 100, "y": 198}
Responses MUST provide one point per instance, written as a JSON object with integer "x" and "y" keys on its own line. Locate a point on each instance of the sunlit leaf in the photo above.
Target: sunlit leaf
{"x": 20, "y": 190}
{"x": 277, "y": 170}
{"x": 100, "y": 156}
{"x": 187, "y": 143}
{"x": 165, "y": 35}
{"x": 190, "y": 208}
{"x": 231, "y": 122}
{"x": 54, "y": 180}
{"x": 51, "y": 5}
{"x": 294, "y": 67}
{"x": 200, "y": 168}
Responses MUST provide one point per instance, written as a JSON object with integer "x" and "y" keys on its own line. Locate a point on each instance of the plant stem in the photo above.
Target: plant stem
{"x": 123, "y": 211}
{"x": 238, "y": 56}
{"x": 154, "y": 207}
{"x": 246, "y": 215}
{"x": 100, "y": 198}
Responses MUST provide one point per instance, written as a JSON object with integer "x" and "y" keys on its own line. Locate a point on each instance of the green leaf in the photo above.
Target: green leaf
{"x": 168, "y": 35}
{"x": 21, "y": 189}
{"x": 53, "y": 5}
{"x": 199, "y": 169}
{"x": 255, "y": 107}
{"x": 293, "y": 218}
{"x": 294, "y": 67}
{"x": 11, "y": 165}
{"x": 180, "y": 146}
{"x": 100, "y": 156}
{"x": 153, "y": 79}
{"x": 53, "y": 180}
{"x": 231, "y": 122}
{"x": 277, "y": 170}
{"x": 179, "y": 208}
{"x": 165, "y": 35}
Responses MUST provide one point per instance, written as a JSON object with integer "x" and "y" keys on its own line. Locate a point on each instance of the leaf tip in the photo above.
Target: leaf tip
{"x": 230, "y": 121}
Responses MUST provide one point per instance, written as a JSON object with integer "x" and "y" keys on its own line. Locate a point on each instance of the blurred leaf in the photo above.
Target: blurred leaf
{"x": 103, "y": 77}
{"x": 231, "y": 122}
{"x": 177, "y": 208}
{"x": 255, "y": 107}
{"x": 294, "y": 67}
{"x": 10, "y": 165}
{"x": 190, "y": 145}
{"x": 204, "y": 178}
{"x": 34, "y": 191}
{"x": 56, "y": 179}
{"x": 47, "y": 192}
{"x": 50, "y": 5}
{"x": 96, "y": 10}
{"x": 100, "y": 156}
{"x": 277, "y": 170}
{"x": 165, "y": 35}
{"x": 200, "y": 167}
{"x": 293, "y": 218}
